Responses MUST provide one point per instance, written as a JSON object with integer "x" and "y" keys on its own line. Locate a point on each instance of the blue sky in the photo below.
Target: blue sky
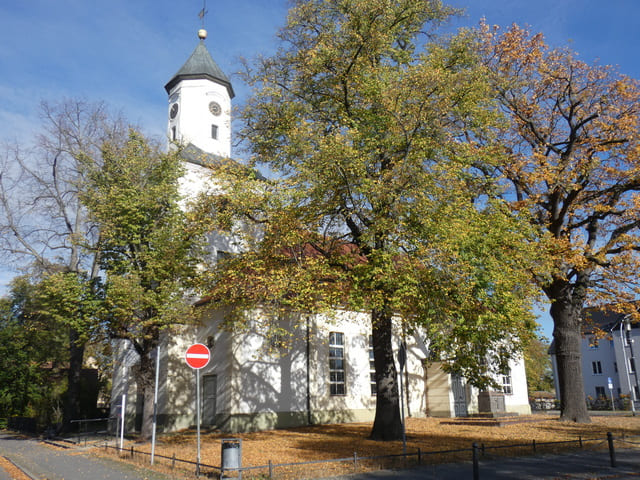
{"x": 124, "y": 51}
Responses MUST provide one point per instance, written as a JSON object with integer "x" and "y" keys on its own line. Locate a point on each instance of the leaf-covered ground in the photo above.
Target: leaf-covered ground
{"x": 324, "y": 442}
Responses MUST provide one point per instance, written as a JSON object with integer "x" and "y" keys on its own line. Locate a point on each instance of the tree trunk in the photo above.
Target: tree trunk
{"x": 566, "y": 311}
{"x": 387, "y": 424}
{"x": 145, "y": 379}
{"x": 72, "y": 410}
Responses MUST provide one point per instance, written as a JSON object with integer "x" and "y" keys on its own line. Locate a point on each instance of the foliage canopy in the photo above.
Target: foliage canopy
{"x": 571, "y": 162}
{"x": 376, "y": 201}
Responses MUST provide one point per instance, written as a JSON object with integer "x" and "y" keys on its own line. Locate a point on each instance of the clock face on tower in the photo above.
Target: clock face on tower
{"x": 214, "y": 108}
{"x": 174, "y": 111}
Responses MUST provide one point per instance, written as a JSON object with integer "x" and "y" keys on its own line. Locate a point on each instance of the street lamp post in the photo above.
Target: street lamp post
{"x": 626, "y": 366}
{"x": 632, "y": 358}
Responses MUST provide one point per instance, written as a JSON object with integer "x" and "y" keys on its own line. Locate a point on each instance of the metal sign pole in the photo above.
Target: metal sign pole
{"x": 155, "y": 406}
{"x": 198, "y": 417}
{"x": 197, "y": 357}
{"x": 123, "y": 407}
{"x": 402, "y": 359}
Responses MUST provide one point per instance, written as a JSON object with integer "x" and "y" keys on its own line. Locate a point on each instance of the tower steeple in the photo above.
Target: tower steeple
{"x": 200, "y": 103}
{"x": 200, "y": 65}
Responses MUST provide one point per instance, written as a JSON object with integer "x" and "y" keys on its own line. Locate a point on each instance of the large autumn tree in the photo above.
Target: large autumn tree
{"x": 571, "y": 137}
{"x": 375, "y": 202}
{"x": 148, "y": 249}
{"x": 44, "y": 227}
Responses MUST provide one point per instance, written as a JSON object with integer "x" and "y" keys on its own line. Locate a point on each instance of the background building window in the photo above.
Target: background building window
{"x": 632, "y": 365}
{"x": 600, "y": 392}
{"x": 336, "y": 364}
{"x": 596, "y": 367}
{"x": 214, "y": 132}
{"x": 372, "y": 368}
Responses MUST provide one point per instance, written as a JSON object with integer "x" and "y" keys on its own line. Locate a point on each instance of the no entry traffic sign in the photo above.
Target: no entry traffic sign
{"x": 197, "y": 356}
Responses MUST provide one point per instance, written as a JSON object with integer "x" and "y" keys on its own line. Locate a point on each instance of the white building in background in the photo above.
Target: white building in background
{"x": 320, "y": 371}
{"x": 610, "y": 345}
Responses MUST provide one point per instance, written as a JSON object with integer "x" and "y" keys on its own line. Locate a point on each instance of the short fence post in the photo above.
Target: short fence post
{"x": 419, "y": 459}
{"x": 534, "y": 446}
{"x": 355, "y": 461}
{"x": 197, "y": 468}
{"x": 580, "y": 440}
{"x": 173, "y": 461}
{"x": 476, "y": 468}
{"x": 131, "y": 451}
{"x": 612, "y": 452}
{"x": 270, "y": 469}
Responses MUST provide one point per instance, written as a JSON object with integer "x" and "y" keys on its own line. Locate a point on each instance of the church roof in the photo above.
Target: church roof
{"x": 200, "y": 65}
{"x": 197, "y": 156}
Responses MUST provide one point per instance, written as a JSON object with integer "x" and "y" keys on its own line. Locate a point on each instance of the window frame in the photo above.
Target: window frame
{"x": 337, "y": 364}
{"x": 373, "y": 384}
{"x": 596, "y": 367}
{"x": 507, "y": 383}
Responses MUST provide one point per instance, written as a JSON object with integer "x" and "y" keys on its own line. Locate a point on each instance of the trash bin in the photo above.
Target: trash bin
{"x": 231, "y": 456}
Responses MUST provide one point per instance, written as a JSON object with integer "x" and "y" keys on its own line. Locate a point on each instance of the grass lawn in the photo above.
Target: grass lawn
{"x": 323, "y": 442}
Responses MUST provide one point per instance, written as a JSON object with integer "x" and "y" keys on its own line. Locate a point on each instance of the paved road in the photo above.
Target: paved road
{"x": 40, "y": 461}
{"x": 583, "y": 465}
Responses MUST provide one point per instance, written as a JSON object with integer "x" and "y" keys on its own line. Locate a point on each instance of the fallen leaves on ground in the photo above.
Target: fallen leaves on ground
{"x": 343, "y": 441}
{"x": 11, "y": 469}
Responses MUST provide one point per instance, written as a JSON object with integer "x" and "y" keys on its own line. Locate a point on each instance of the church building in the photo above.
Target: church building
{"x": 322, "y": 372}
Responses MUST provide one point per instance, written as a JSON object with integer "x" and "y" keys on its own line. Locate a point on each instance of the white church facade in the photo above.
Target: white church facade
{"x": 321, "y": 371}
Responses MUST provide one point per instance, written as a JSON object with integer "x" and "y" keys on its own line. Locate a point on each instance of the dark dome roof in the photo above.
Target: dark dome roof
{"x": 200, "y": 65}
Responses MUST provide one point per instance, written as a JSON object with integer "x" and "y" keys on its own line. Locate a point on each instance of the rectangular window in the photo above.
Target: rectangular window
{"x": 173, "y": 134}
{"x": 372, "y": 368}
{"x": 336, "y": 364}
{"x": 596, "y": 367}
{"x": 600, "y": 392}
{"x": 507, "y": 388}
{"x": 632, "y": 365}
{"x": 636, "y": 391}
{"x": 214, "y": 132}
{"x": 615, "y": 367}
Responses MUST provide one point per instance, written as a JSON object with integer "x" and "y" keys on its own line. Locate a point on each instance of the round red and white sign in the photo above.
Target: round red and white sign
{"x": 198, "y": 356}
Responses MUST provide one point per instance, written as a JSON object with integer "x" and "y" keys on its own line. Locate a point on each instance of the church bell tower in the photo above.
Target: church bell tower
{"x": 199, "y": 111}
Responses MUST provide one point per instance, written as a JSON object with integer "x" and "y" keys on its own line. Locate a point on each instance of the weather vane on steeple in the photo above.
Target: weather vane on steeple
{"x": 202, "y": 33}
{"x": 203, "y": 12}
